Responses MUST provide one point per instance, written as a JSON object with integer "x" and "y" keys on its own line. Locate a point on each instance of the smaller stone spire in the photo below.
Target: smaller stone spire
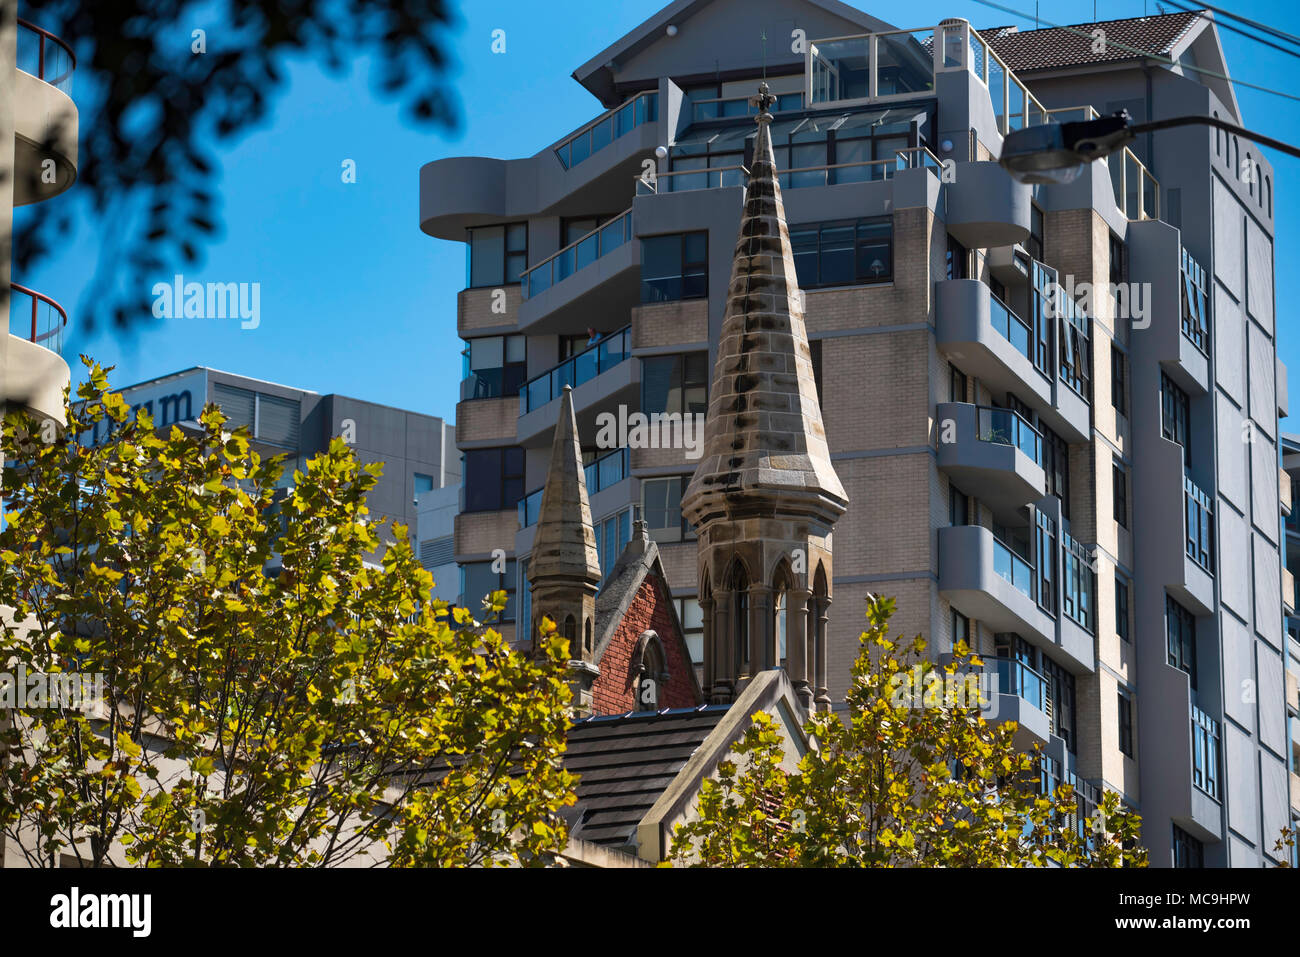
{"x": 564, "y": 568}
{"x": 565, "y": 545}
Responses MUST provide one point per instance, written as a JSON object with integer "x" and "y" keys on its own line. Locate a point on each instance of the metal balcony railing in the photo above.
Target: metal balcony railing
{"x": 45, "y": 56}
{"x": 579, "y": 254}
{"x": 36, "y": 317}
{"x": 613, "y": 349}
{"x": 1007, "y": 427}
{"x": 606, "y": 128}
{"x": 866, "y": 171}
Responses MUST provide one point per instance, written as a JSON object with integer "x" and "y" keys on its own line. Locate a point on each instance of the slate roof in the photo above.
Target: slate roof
{"x": 625, "y": 763}
{"x": 1055, "y": 47}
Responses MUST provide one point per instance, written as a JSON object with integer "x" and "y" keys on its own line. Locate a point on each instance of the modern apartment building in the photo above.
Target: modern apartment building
{"x": 1290, "y": 569}
{"x": 1054, "y": 409}
{"x": 421, "y": 467}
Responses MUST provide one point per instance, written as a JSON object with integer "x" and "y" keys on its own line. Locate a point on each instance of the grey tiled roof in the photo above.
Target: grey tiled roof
{"x": 1054, "y": 47}
{"x": 625, "y": 763}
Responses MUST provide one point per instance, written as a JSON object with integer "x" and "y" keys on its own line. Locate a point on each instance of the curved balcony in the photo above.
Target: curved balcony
{"x": 983, "y": 578}
{"x": 586, "y": 171}
{"x": 45, "y": 118}
{"x": 991, "y": 453}
{"x": 986, "y": 207}
{"x": 989, "y": 340}
{"x": 34, "y": 371}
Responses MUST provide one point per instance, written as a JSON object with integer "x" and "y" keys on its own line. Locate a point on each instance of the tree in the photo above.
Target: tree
{"x": 270, "y": 696}
{"x": 159, "y": 82}
{"x": 916, "y": 777}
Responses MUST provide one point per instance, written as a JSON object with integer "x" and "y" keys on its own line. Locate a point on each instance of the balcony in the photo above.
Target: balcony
{"x": 34, "y": 371}
{"x": 985, "y": 579}
{"x": 601, "y": 378}
{"x": 989, "y": 340}
{"x": 991, "y": 453}
{"x": 606, "y": 129}
{"x": 1174, "y": 534}
{"x": 45, "y": 118}
{"x": 1177, "y": 308}
{"x": 1022, "y": 698}
{"x": 986, "y": 207}
{"x": 594, "y": 275}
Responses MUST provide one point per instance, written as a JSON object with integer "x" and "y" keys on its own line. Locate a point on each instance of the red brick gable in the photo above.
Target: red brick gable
{"x": 615, "y": 689}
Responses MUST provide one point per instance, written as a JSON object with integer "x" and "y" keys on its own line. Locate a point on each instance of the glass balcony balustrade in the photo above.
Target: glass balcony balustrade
{"x": 611, "y": 350}
{"x": 1017, "y": 678}
{"x": 1014, "y": 569}
{"x": 603, "y": 473}
{"x": 579, "y": 254}
{"x": 1007, "y": 427}
{"x": 605, "y": 129}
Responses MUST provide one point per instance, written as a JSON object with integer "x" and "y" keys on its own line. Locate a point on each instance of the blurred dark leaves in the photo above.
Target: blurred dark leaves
{"x": 152, "y": 113}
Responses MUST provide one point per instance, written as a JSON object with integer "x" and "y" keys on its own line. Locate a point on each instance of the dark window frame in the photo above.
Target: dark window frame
{"x": 690, "y": 373}
{"x": 1119, "y": 491}
{"x": 691, "y": 276}
{"x": 802, "y": 256}
{"x": 508, "y": 253}
{"x": 1125, "y": 719}
{"x": 1180, "y": 638}
{"x": 477, "y": 470}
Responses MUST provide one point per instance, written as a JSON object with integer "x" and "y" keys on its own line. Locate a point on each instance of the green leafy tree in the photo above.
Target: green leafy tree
{"x": 897, "y": 785}
{"x": 272, "y": 695}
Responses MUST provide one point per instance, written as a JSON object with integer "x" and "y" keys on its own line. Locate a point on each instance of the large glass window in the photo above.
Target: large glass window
{"x": 1195, "y": 303}
{"x": 1119, "y": 492}
{"x": 1079, "y": 584}
{"x": 1046, "y": 562}
{"x": 1125, "y": 722}
{"x": 1175, "y": 416}
{"x": 1034, "y": 244}
{"x": 1076, "y": 348}
{"x": 612, "y": 536}
{"x": 495, "y": 366}
{"x": 478, "y": 580}
{"x": 844, "y": 253}
{"x": 675, "y": 383}
{"x": 1060, "y": 694}
{"x": 497, "y": 254}
{"x": 1056, "y": 466}
{"x": 661, "y": 502}
{"x": 674, "y": 267}
{"x": 1188, "y": 851}
{"x": 1180, "y": 625}
{"x": 494, "y": 479}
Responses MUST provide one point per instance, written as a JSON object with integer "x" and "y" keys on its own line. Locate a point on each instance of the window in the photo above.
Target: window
{"x": 1119, "y": 490}
{"x": 495, "y": 367}
{"x": 1060, "y": 700}
{"x": 957, "y": 260}
{"x": 525, "y": 592}
{"x": 1175, "y": 416}
{"x": 612, "y": 536}
{"x": 691, "y": 615}
{"x": 1117, "y": 261}
{"x": 675, "y": 383}
{"x": 1121, "y": 608}
{"x": 1125, "y": 722}
{"x": 1181, "y": 628}
{"x": 1056, "y": 466}
{"x": 1118, "y": 380}
{"x": 956, "y": 385}
{"x": 958, "y": 507}
{"x": 1188, "y": 851}
{"x": 1076, "y": 349}
{"x": 422, "y": 483}
{"x": 494, "y": 479}
{"x": 843, "y": 253}
{"x": 1045, "y": 564}
{"x": 1034, "y": 244}
{"x": 674, "y": 267}
{"x": 497, "y": 254}
{"x": 477, "y": 580}
{"x": 960, "y": 629}
{"x": 661, "y": 503}
{"x": 1079, "y": 583}
{"x": 1195, "y": 303}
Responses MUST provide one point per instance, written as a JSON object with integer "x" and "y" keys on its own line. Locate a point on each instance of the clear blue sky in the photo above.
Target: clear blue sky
{"x": 356, "y": 300}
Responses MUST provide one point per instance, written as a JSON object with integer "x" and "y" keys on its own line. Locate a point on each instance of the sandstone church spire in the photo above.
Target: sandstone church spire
{"x": 765, "y": 496}
{"x": 564, "y": 570}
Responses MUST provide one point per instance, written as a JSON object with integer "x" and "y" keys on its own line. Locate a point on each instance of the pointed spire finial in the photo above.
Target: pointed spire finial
{"x": 764, "y": 99}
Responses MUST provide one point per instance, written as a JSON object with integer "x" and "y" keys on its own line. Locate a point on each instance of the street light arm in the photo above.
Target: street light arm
{"x": 1214, "y": 121}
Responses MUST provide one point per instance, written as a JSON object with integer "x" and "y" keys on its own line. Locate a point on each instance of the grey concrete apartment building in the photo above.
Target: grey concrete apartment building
{"x": 1054, "y": 409}
{"x": 421, "y": 466}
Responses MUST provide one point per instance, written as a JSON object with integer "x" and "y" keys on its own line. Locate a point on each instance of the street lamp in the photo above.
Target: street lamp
{"x": 1057, "y": 152}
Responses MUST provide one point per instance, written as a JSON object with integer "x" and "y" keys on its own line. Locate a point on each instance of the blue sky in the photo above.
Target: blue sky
{"x": 356, "y": 300}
